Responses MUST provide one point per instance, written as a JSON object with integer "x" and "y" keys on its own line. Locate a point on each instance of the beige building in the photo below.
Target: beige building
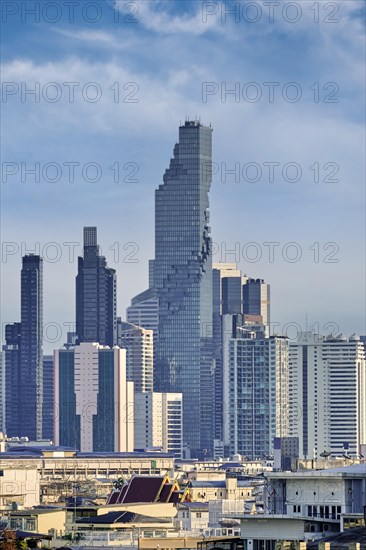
{"x": 228, "y": 489}
{"x": 50, "y": 473}
{"x": 159, "y": 421}
{"x": 19, "y": 484}
{"x": 44, "y": 521}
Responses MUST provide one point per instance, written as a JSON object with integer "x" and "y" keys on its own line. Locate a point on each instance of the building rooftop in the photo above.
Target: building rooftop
{"x": 122, "y": 517}
{"x": 341, "y": 541}
{"x": 353, "y": 470}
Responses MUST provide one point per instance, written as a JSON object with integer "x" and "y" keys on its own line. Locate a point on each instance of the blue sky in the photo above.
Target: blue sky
{"x": 162, "y": 59}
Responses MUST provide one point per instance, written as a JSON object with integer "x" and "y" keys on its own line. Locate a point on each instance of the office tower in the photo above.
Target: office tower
{"x": 31, "y": 338}
{"x": 256, "y": 299}
{"x": 183, "y": 281}
{"x": 11, "y": 351}
{"x": 256, "y": 389}
{"x": 96, "y": 284}
{"x": 327, "y": 394}
{"x": 48, "y": 398}
{"x": 2, "y": 391}
{"x": 158, "y": 422}
{"x": 143, "y": 310}
{"x": 138, "y": 343}
{"x": 94, "y": 404}
{"x": 226, "y": 284}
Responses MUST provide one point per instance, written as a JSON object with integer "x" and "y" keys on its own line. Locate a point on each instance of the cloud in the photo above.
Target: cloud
{"x": 154, "y": 16}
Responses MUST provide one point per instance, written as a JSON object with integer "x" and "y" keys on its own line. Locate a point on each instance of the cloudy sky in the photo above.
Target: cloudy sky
{"x": 281, "y": 83}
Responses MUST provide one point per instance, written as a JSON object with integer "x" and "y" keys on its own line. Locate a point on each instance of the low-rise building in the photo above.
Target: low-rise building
{"x": 192, "y": 516}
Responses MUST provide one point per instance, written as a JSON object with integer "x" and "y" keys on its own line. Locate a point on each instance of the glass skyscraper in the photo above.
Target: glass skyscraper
{"x": 30, "y": 394}
{"x": 183, "y": 281}
{"x": 96, "y": 288}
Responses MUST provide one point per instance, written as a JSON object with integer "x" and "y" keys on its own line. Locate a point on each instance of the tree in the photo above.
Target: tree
{"x": 7, "y": 540}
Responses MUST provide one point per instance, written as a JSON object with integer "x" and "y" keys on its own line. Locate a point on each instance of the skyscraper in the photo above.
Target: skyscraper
{"x": 182, "y": 277}
{"x": 94, "y": 404}
{"x": 139, "y": 346}
{"x": 227, "y": 298}
{"x": 31, "y": 351}
{"x": 256, "y": 299}
{"x": 256, "y": 386}
{"x": 96, "y": 287}
{"x": 327, "y": 394}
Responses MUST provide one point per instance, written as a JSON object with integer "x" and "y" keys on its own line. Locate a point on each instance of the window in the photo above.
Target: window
{"x": 198, "y": 515}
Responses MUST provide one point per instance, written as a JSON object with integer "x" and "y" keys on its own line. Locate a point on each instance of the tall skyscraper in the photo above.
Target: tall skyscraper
{"x": 94, "y": 403}
{"x": 328, "y": 394}
{"x": 256, "y": 299}
{"x": 256, "y": 386}
{"x": 183, "y": 281}
{"x": 139, "y": 346}
{"x": 31, "y": 352}
{"x": 96, "y": 295}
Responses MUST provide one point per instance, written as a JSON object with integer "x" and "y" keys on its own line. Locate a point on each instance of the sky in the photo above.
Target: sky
{"x": 93, "y": 93}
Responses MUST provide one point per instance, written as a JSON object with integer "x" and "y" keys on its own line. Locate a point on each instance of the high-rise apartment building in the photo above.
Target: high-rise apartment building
{"x": 94, "y": 403}
{"x": 227, "y": 298}
{"x": 139, "y": 345}
{"x": 143, "y": 310}
{"x": 96, "y": 295}
{"x": 29, "y": 399}
{"x": 327, "y": 394}
{"x": 183, "y": 280}
{"x": 255, "y": 390}
{"x": 158, "y": 422}
{"x": 48, "y": 398}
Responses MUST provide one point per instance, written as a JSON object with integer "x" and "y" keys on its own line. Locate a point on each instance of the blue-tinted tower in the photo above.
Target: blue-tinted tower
{"x": 183, "y": 281}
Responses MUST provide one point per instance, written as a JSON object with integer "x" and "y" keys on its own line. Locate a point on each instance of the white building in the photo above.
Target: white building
{"x": 94, "y": 403}
{"x": 255, "y": 392}
{"x": 327, "y": 394}
{"x": 19, "y": 485}
{"x": 139, "y": 346}
{"x": 158, "y": 421}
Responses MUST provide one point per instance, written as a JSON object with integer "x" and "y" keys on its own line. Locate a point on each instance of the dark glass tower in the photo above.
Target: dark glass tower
{"x": 12, "y": 378}
{"x": 96, "y": 287}
{"x": 31, "y": 355}
{"x": 183, "y": 281}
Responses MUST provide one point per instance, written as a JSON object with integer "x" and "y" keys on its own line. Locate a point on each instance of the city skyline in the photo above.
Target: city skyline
{"x": 305, "y": 132}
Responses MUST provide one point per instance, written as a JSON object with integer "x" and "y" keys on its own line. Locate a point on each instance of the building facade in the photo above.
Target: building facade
{"x": 159, "y": 422}
{"x": 327, "y": 394}
{"x": 226, "y": 278}
{"x": 96, "y": 295}
{"x": 257, "y": 300}
{"x": 139, "y": 345}
{"x": 48, "y": 398}
{"x": 256, "y": 388}
{"x": 94, "y": 403}
{"x": 183, "y": 281}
